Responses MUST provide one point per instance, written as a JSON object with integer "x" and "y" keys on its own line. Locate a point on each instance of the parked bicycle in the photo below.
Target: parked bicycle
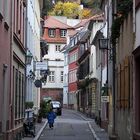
{"x": 29, "y": 123}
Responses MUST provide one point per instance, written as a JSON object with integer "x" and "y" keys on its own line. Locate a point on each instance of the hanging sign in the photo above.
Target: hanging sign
{"x": 41, "y": 66}
{"x": 104, "y": 99}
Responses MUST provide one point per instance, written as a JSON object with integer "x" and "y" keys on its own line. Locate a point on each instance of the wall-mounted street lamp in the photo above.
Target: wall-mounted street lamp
{"x": 103, "y": 43}
{"x": 31, "y": 75}
{"x": 29, "y": 57}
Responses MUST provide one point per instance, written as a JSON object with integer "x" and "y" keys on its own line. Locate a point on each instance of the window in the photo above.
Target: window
{"x": 72, "y": 76}
{"x": 57, "y": 59}
{"x": 63, "y": 33}
{"x": 61, "y": 76}
{"x": 123, "y": 84}
{"x": 16, "y": 94}
{"x": 51, "y": 76}
{"x": 51, "y": 32}
{"x": 19, "y": 20}
{"x": 57, "y": 48}
{"x": 19, "y": 96}
{"x": 1, "y": 7}
{"x": 91, "y": 63}
{"x": 18, "y": 89}
{"x": 73, "y": 57}
{"x": 22, "y": 94}
{"x": 6, "y": 11}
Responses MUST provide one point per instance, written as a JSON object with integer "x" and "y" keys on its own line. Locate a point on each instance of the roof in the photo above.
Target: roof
{"x": 52, "y": 22}
{"x": 72, "y": 32}
{"x": 83, "y": 22}
{"x": 97, "y": 17}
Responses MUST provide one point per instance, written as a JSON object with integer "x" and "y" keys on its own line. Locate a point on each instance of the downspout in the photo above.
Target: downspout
{"x": 113, "y": 74}
{"x": 26, "y": 27}
{"x": 11, "y": 71}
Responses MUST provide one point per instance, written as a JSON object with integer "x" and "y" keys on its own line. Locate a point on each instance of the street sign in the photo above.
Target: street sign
{"x": 104, "y": 99}
{"x": 41, "y": 66}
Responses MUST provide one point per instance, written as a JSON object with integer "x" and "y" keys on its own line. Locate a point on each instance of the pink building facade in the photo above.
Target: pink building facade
{"x": 12, "y": 68}
{"x": 5, "y": 68}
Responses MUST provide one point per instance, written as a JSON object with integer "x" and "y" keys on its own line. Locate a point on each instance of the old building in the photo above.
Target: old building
{"x": 72, "y": 70}
{"x": 98, "y": 71}
{"x": 55, "y": 33}
{"x": 33, "y": 50}
{"x": 120, "y": 68}
{"x": 5, "y": 68}
{"x": 18, "y": 68}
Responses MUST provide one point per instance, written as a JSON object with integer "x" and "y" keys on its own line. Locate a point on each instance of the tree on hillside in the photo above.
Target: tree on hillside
{"x": 47, "y": 7}
{"x": 90, "y": 3}
{"x": 70, "y": 10}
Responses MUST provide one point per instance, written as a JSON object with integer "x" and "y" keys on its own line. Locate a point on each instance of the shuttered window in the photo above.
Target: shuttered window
{"x": 127, "y": 82}
{"x": 123, "y": 84}
{"x": 119, "y": 86}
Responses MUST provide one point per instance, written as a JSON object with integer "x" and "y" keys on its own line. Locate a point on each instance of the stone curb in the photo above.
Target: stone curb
{"x": 92, "y": 130}
{"x": 39, "y": 133}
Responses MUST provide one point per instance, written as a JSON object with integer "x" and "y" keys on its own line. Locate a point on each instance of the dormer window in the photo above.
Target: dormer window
{"x": 51, "y": 32}
{"x": 63, "y": 33}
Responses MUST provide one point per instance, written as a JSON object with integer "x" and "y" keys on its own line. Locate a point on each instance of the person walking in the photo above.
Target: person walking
{"x": 51, "y": 116}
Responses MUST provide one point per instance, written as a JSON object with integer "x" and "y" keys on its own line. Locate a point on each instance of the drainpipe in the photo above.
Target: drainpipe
{"x": 113, "y": 136}
{"x": 26, "y": 32}
{"x": 11, "y": 70}
{"x": 5, "y": 97}
{"x": 113, "y": 68}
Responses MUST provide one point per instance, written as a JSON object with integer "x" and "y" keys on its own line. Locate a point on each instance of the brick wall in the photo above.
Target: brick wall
{"x": 56, "y": 94}
{"x": 56, "y": 39}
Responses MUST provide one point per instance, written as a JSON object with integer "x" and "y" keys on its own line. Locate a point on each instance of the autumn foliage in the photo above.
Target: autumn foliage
{"x": 70, "y": 10}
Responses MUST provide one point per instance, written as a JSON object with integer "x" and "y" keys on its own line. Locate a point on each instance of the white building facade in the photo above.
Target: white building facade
{"x": 33, "y": 48}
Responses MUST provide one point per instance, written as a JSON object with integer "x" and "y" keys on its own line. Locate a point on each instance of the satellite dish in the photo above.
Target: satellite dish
{"x": 38, "y": 83}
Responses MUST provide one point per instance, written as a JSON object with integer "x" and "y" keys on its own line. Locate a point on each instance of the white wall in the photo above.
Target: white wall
{"x": 53, "y": 54}
{"x": 57, "y": 67}
{"x": 33, "y": 45}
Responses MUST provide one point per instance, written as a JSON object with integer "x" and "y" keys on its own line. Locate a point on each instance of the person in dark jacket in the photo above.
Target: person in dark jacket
{"x": 51, "y": 116}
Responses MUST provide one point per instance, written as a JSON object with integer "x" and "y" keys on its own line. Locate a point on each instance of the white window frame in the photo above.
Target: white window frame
{"x": 57, "y": 48}
{"x": 52, "y": 77}
{"x": 63, "y": 32}
{"x": 51, "y": 32}
{"x": 73, "y": 57}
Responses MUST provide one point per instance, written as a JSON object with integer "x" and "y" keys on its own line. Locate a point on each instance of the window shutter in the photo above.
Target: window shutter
{"x": 119, "y": 86}
{"x": 122, "y": 86}
{"x": 127, "y": 79}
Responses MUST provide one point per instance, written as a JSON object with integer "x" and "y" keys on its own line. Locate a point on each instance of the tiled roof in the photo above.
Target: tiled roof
{"x": 52, "y": 22}
{"x": 82, "y": 23}
{"x": 97, "y": 17}
{"x": 85, "y": 21}
{"x": 72, "y": 32}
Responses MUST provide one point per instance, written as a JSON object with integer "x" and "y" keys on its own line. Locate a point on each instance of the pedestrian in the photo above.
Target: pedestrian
{"x": 51, "y": 116}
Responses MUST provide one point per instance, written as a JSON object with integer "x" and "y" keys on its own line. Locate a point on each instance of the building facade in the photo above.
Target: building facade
{"x": 18, "y": 68}
{"x": 5, "y": 68}
{"x": 33, "y": 49}
{"x": 55, "y": 33}
{"x": 72, "y": 71}
{"x": 120, "y": 68}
